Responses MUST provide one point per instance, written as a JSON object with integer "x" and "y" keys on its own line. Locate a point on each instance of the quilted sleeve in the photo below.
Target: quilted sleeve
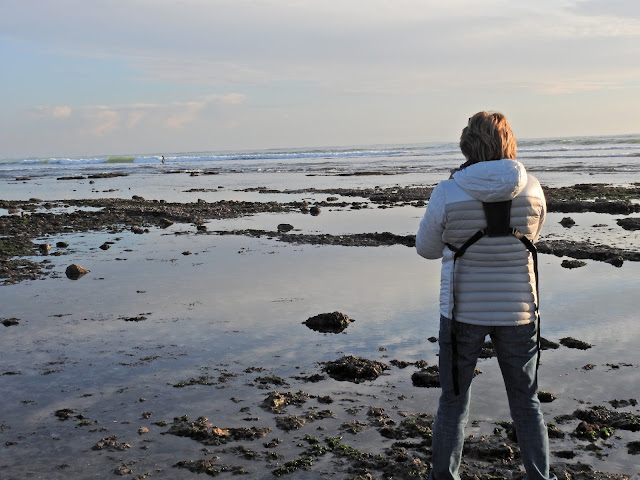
{"x": 429, "y": 242}
{"x": 543, "y": 210}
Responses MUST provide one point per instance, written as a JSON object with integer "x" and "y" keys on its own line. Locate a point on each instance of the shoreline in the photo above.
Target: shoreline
{"x": 32, "y": 219}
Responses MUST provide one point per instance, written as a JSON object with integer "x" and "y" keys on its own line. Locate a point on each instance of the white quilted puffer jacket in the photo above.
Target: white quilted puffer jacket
{"x": 494, "y": 280}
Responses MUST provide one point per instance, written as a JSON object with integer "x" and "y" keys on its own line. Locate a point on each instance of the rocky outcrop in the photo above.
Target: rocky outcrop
{"x": 355, "y": 369}
{"x": 334, "y": 322}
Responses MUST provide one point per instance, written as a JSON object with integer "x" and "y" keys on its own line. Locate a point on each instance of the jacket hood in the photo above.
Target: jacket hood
{"x": 493, "y": 181}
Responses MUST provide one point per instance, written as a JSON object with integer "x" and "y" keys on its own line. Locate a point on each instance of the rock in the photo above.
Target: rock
{"x": 44, "y": 248}
{"x": 74, "y": 272}
{"x": 572, "y": 264}
{"x": 632, "y": 402}
{"x": 285, "y": 227}
{"x": 290, "y": 422}
{"x": 429, "y": 377}
{"x": 554, "y": 432}
{"x": 603, "y": 417}
{"x": 111, "y": 444}
{"x": 137, "y": 197}
{"x": 9, "y": 322}
{"x": 571, "y": 342}
{"x": 546, "y": 397}
{"x": 355, "y": 369}
{"x": 122, "y": 470}
{"x": 487, "y": 350}
{"x": 137, "y": 230}
{"x": 567, "y": 222}
{"x": 208, "y": 434}
{"x": 629, "y": 223}
{"x": 334, "y": 322}
{"x": 277, "y": 402}
{"x": 488, "y": 450}
{"x": 315, "y": 210}
{"x": 64, "y": 414}
{"x": 62, "y": 245}
{"x": 426, "y": 378}
{"x": 401, "y": 363}
{"x": 165, "y": 222}
{"x": 615, "y": 261}
{"x": 139, "y": 318}
{"x": 548, "y": 344}
{"x": 143, "y": 430}
{"x": 105, "y": 246}
{"x": 201, "y": 228}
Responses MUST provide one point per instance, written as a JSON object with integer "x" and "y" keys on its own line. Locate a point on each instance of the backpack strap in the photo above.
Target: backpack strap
{"x": 534, "y": 254}
{"x": 498, "y": 216}
{"x": 458, "y": 252}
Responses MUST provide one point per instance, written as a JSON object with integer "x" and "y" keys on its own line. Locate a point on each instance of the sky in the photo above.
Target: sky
{"x": 82, "y": 77}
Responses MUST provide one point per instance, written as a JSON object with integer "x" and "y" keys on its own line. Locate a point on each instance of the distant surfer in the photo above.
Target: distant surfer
{"x": 163, "y": 159}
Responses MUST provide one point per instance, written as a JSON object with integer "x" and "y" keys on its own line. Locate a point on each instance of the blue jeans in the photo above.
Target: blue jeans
{"x": 516, "y": 349}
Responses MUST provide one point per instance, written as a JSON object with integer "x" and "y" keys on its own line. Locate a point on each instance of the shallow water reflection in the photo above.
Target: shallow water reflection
{"x": 234, "y": 304}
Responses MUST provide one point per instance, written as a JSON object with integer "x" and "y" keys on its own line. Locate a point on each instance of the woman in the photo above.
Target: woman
{"x": 489, "y": 289}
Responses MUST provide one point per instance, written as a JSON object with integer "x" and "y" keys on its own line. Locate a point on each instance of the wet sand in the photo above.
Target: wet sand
{"x": 114, "y": 373}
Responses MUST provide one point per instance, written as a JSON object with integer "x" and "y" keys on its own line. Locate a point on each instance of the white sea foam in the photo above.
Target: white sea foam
{"x": 581, "y": 155}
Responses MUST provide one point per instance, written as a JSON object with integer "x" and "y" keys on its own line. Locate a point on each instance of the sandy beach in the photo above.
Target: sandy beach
{"x": 183, "y": 350}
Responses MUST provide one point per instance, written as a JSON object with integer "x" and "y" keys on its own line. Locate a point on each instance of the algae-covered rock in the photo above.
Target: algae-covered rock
{"x": 208, "y": 434}
{"x": 355, "y": 369}
{"x": 604, "y": 417}
{"x": 426, "y": 378}
{"x": 290, "y": 422}
{"x": 10, "y": 322}
{"x": 571, "y": 342}
{"x": 572, "y": 264}
{"x": 111, "y": 443}
{"x": 277, "y": 402}
{"x": 629, "y": 223}
{"x": 334, "y": 322}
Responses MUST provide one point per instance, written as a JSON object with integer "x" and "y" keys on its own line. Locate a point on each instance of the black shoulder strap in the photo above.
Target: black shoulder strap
{"x": 498, "y": 216}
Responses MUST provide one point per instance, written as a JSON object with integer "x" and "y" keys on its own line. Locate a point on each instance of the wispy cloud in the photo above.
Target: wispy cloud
{"x": 302, "y": 62}
{"x": 51, "y": 111}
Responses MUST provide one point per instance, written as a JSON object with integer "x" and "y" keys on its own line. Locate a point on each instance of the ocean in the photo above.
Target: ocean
{"x": 611, "y": 159}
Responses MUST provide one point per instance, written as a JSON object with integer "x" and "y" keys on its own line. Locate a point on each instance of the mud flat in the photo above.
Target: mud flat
{"x": 186, "y": 349}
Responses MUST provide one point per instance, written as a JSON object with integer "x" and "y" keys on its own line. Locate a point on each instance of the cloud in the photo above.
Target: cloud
{"x": 51, "y": 111}
{"x": 608, "y": 8}
{"x": 329, "y": 46}
{"x": 134, "y": 118}
{"x": 63, "y": 111}
{"x": 105, "y": 120}
{"x": 571, "y": 86}
{"x": 320, "y": 72}
{"x": 180, "y": 115}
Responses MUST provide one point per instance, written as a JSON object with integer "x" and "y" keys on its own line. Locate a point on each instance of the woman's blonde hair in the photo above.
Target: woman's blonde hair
{"x": 488, "y": 136}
